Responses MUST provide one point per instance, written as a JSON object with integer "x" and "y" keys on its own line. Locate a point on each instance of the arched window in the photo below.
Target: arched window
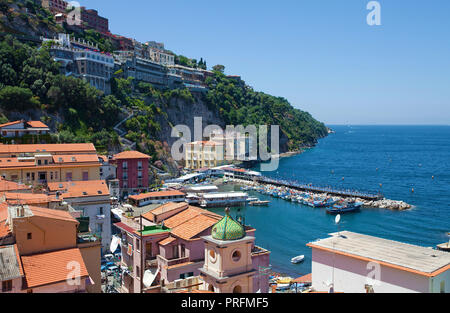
{"x": 237, "y": 289}
{"x": 211, "y": 288}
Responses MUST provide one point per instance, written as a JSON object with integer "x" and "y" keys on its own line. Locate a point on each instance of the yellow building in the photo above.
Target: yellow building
{"x": 40, "y": 164}
{"x": 199, "y": 154}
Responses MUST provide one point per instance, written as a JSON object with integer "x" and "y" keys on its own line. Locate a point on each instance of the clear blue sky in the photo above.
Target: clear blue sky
{"x": 319, "y": 54}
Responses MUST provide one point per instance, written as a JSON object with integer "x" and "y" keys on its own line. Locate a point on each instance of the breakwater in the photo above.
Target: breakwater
{"x": 369, "y": 200}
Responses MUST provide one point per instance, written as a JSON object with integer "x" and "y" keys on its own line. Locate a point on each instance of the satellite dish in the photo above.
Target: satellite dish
{"x": 337, "y": 219}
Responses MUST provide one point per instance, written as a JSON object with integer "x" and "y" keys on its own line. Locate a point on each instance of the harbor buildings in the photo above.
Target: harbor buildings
{"x": 355, "y": 263}
{"x": 21, "y": 128}
{"x": 200, "y": 154}
{"x": 42, "y": 163}
{"x": 41, "y": 248}
{"x": 132, "y": 172}
{"x": 92, "y": 199}
{"x": 157, "y": 197}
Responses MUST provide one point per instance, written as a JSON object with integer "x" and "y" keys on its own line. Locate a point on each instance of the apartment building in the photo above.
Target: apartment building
{"x": 201, "y": 154}
{"x": 193, "y": 78}
{"x": 55, "y": 6}
{"x": 41, "y": 164}
{"x": 92, "y": 198}
{"x": 83, "y": 60}
{"x": 356, "y": 263}
{"x": 91, "y": 20}
{"x": 132, "y": 171}
{"x": 142, "y": 69}
{"x": 42, "y": 247}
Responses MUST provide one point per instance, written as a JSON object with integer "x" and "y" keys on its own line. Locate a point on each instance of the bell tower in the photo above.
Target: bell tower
{"x": 228, "y": 264}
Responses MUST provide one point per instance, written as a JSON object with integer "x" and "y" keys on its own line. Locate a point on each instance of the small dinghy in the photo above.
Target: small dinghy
{"x": 298, "y": 259}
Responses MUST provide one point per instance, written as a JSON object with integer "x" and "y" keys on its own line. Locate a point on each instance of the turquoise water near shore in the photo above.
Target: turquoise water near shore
{"x": 401, "y": 158}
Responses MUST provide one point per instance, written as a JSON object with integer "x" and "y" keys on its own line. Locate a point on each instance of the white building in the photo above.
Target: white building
{"x": 355, "y": 263}
{"x": 20, "y": 128}
{"x": 92, "y": 197}
{"x": 107, "y": 169}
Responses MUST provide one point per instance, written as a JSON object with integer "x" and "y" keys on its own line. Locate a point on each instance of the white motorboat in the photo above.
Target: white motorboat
{"x": 298, "y": 259}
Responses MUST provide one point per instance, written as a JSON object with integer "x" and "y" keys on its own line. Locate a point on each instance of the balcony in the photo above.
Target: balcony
{"x": 165, "y": 263}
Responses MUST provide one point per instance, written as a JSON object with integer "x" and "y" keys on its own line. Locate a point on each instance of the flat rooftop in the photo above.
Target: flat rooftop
{"x": 409, "y": 257}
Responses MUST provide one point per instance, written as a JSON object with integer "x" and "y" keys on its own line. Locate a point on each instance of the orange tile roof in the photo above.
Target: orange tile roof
{"x": 75, "y": 158}
{"x": 131, "y": 155}
{"x": 167, "y": 241}
{"x": 53, "y": 214}
{"x": 52, "y": 267}
{"x": 167, "y": 207}
{"x": 303, "y": 279}
{"x": 194, "y": 226}
{"x": 14, "y": 162}
{"x": 36, "y": 124}
{"x": 10, "y": 123}
{"x": 6, "y": 185}
{"x": 187, "y": 215}
{"x": 26, "y": 198}
{"x": 36, "y": 148}
{"x": 76, "y": 189}
{"x": 166, "y": 193}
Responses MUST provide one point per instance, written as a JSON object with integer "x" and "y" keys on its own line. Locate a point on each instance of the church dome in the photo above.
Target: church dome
{"x": 227, "y": 228}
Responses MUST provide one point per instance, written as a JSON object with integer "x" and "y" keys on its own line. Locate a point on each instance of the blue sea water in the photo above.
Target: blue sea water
{"x": 400, "y": 158}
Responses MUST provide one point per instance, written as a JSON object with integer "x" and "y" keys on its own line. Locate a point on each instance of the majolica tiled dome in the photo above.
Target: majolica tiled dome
{"x": 227, "y": 228}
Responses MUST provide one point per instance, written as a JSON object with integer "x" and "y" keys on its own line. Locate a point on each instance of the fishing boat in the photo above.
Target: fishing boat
{"x": 259, "y": 203}
{"x": 298, "y": 259}
{"x": 345, "y": 207}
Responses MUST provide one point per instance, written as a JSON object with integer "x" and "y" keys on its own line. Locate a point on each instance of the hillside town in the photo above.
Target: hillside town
{"x": 75, "y": 218}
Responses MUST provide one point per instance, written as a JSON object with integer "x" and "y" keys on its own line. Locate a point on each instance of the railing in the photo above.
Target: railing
{"x": 166, "y": 263}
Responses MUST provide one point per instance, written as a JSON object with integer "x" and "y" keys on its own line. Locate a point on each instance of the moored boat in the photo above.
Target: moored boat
{"x": 298, "y": 259}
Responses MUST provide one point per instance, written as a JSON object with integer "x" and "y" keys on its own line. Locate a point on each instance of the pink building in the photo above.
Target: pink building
{"x": 175, "y": 248}
{"x": 356, "y": 263}
{"x": 132, "y": 172}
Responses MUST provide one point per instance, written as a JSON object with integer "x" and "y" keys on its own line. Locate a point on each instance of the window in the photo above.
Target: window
{"x": 29, "y": 236}
{"x": 85, "y": 176}
{"x": 6, "y": 285}
{"x": 236, "y": 256}
{"x": 100, "y": 211}
{"x": 138, "y": 272}
{"x": 99, "y": 228}
{"x": 138, "y": 245}
{"x": 125, "y": 165}
{"x": 443, "y": 286}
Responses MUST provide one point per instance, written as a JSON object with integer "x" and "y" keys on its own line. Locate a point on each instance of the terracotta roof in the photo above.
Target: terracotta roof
{"x": 167, "y": 241}
{"x": 131, "y": 155}
{"x": 26, "y": 198}
{"x": 75, "y": 158}
{"x": 6, "y": 185}
{"x": 194, "y": 226}
{"x": 125, "y": 227}
{"x": 52, "y": 267}
{"x": 167, "y": 207}
{"x": 36, "y": 124}
{"x": 53, "y": 214}
{"x": 303, "y": 279}
{"x": 14, "y": 162}
{"x": 166, "y": 193}
{"x": 10, "y": 123}
{"x": 36, "y": 148}
{"x": 187, "y": 215}
{"x": 76, "y": 189}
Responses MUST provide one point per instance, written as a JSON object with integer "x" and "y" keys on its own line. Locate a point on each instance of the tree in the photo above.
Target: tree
{"x": 219, "y": 68}
{"x": 15, "y": 98}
